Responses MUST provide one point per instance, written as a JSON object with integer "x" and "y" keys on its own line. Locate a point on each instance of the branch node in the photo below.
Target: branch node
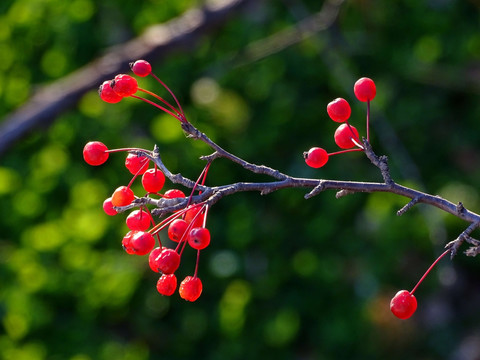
{"x": 316, "y": 190}
{"x": 410, "y": 204}
{"x": 343, "y": 193}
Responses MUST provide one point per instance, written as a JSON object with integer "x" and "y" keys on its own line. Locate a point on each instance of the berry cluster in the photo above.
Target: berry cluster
{"x": 346, "y": 136}
{"x": 185, "y": 226}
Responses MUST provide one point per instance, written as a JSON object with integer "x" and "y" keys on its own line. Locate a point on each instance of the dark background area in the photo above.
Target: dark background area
{"x": 284, "y": 277}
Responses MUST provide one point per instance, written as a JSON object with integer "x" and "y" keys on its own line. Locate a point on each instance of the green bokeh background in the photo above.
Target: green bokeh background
{"x": 284, "y": 277}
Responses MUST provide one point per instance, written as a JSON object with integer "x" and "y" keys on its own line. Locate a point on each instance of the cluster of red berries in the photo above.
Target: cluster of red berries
{"x": 346, "y": 136}
{"x": 186, "y": 226}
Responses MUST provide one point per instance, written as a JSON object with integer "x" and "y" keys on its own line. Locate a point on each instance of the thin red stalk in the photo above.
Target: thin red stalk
{"x": 196, "y": 264}
{"x": 158, "y": 106}
{"x": 173, "y": 95}
{"x": 428, "y": 270}
{"x": 164, "y": 223}
{"x": 344, "y": 151}
{"x": 161, "y": 99}
{"x": 202, "y": 174}
{"x": 123, "y": 149}
{"x": 368, "y": 120}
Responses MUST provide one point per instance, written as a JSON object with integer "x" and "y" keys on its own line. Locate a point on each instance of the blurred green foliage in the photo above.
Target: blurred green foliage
{"x": 284, "y": 278}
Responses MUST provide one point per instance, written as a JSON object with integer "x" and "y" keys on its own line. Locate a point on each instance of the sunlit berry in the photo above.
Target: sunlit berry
{"x": 122, "y": 196}
{"x": 95, "y": 153}
{"x": 108, "y": 207}
{"x": 107, "y": 94}
{"x": 141, "y": 242}
{"x": 126, "y": 243}
{"x": 136, "y": 164}
{"x": 339, "y": 110}
{"x": 190, "y": 288}
{"x": 141, "y": 68}
{"x": 139, "y": 220}
{"x": 199, "y": 238}
{"x": 345, "y": 136}
{"x": 316, "y": 157}
{"x": 177, "y": 229}
{"x": 403, "y": 304}
{"x": 174, "y": 193}
{"x": 153, "y": 180}
{"x": 365, "y": 89}
{"x": 195, "y": 216}
{"x": 152, "y": 257}
{"x": 124, "y": 85}
{"x": 167, "y": 261}
{"x": 167, "y": 284}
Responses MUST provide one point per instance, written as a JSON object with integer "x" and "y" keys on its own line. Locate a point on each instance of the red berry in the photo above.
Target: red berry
{"x": 190, "y": 288}
{"x": 199, "y": 238}
{"x": 316, "y": 157}
{"x": 339, "y": 110}
{"x": 95, "y": 153}
{"x": 107, "y": 94}
{"x": 126, "y": 243}
{"x": 137, "y": 165}
{"x": 403, "y": 304}
{"x": 122, "y": 196}
{"x": 365, "y": 89}
{"x": 108, "y": 207}
{"x": 153, "y": 180}
{"x": 138, "y": 220}
{"x": 344, "y": 134}
{"x": 194, "y": 215}
{"x": 176, "y": 229}
{"x": 141, "y": 68}
{"x": 124, "y": 85}
{"x": 167, "y": 284}
{"x": 168, "y": 261}
{"x": 152, "y": 257}
{"x": 174, "y": 193}
{"x": 141, "y": 242}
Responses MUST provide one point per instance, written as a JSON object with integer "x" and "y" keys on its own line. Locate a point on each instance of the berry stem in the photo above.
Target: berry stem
{"x": 344, "y": 151}
{"x": 428, "y": 270}
{"x": 196, "y": 264}
{"x": 159, "y": 106}
{"x": 161, "y": 99}
{"x": 368, "y": 120}
{"x": 182, "y": 114}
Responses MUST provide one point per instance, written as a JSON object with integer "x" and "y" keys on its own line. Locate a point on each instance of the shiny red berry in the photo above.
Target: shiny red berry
{"x": 365, "y": 89}
{"x": 167, "y": 284}
{"x": 153, "y": 257}
{"x": 141, "y": 68}
{"x": 316, "y": 157}
{"x": 344, "y": 134}
{"x": 108, "y": 207}
{"x": 107, "y": 94}
{"x": 167, "y": 261}
{"x": 142, "y": 242}
{"x": 137, "y": 165}
{"x": 190, "y": 288}
{"x": 177, "y": 229}
{"x": 339, "y": 110}
{"x": 122, "y": 196}
{"x": 199, "y": 238}
{"x": 174, "y": 193}
{"x": 126, "y": 243}
{"x": 139, "y": 220}
{"x": 195, "y": 216}
{"x": 153, "y": 180}
{"x": 403, "y": 304}
{"x": 124, "y": 85}
{"x": 95, "y": 153}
